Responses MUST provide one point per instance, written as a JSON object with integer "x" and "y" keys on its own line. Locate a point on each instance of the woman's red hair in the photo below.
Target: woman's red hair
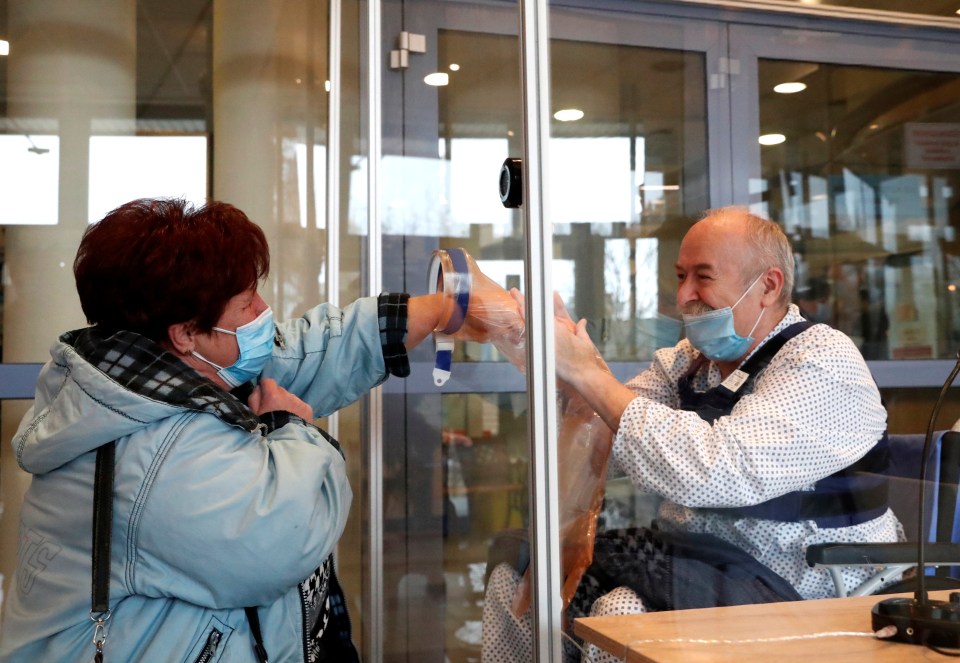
{"x": 152, "y": 263}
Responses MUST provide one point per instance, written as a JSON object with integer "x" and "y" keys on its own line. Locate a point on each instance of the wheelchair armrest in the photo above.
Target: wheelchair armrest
{"x": 870, "y": 554}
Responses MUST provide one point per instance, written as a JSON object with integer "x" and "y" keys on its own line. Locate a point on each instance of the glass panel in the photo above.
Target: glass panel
{"x": 865, "y": 182}
{"x": 454, "y": 469}
{"x": 628, "y": 177}
{"x": 351, "y": 565}
{"x": 484, "y": 483}
{"x": 29, "y": 179}
{"x": 123, "y": 168}
{"x": 94, "y": 97}
{"x": 73, "y": 78}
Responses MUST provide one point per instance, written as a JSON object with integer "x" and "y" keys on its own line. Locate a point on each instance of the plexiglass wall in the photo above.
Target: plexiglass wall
{"x": 656, "y": 114}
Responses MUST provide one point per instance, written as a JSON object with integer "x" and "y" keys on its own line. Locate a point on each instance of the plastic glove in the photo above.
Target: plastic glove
{"x": 492, "y": 313}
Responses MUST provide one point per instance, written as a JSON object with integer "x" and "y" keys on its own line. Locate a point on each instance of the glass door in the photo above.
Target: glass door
{"x": 856, "y": 152}
{"x": 629, "y": 172}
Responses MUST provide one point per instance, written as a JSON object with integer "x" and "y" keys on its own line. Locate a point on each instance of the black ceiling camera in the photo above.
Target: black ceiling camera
{"x": 921, "y": 620}
{"x": 511, "y": 182}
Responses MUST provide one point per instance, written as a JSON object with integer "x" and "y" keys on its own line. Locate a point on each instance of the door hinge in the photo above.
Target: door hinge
{"x": 407, "y": 43}
{"x": 726, "y": 67}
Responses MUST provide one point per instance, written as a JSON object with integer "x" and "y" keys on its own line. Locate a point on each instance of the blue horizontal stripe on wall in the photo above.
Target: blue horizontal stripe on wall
{"x": 18, "y": 380}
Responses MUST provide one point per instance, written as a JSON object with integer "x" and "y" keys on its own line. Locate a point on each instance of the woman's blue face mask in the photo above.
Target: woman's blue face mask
{"x": 713, "y": 332}
{"x": 255, "y": 340}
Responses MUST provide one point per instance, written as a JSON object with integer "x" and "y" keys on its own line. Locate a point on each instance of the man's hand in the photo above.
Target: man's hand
{"x": 576, "y": 353}
{"x": 559, "y": 308}
{"x": 268, "y": 396}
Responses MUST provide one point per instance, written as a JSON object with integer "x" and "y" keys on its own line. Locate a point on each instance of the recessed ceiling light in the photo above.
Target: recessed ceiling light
{"x": 454, "y": 66}
{"x": 771, "y": 139}
{"x": 659, "y": 187}
{"x": 437, "y": 79}
{"x": 4, "y": 47}
{"x": 568, "y": 114}
{"x": 790, "y": 88}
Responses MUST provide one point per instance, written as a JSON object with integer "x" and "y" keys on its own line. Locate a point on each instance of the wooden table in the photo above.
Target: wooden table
{"x": 630, "y": 634}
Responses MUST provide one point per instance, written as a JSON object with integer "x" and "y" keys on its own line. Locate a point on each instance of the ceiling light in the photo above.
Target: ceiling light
{"x": 771, "y": 139}
{"x": 326, "y": 85}
{"x": 437, "y": 79}
{"x": 790, "y": 88}
{"x": 454, "y": 66}
{"x": 568, "y": 114}
{"x": 4, "y": 47}
{"x": 659, "y": 187}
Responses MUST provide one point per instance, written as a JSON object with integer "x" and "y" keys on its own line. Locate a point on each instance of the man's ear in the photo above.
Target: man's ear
{"x": 180, "y": 336}
{"x": 772, "y": 284}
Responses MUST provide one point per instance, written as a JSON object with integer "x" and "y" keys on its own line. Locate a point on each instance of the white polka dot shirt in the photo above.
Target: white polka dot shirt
{"x": 814, "y": 410}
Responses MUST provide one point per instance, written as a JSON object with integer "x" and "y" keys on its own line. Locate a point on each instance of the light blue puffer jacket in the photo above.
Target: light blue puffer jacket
{"x": 209, "y": 514}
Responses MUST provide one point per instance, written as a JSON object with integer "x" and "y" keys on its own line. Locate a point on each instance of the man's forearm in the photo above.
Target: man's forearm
{"x": 605, "y": 394}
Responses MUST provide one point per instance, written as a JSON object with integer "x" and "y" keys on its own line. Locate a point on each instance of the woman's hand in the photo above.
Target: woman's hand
{"x": 493, "y": 314}
{"x": 268, "y": 396}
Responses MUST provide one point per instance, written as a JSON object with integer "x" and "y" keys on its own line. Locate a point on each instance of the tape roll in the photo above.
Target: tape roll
{"x": 449, "y": 275}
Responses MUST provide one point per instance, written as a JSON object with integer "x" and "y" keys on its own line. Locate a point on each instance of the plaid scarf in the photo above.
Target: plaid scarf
{"x": 140, "y": 365}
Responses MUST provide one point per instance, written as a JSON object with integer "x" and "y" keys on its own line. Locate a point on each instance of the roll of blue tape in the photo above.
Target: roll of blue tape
{"x": 452, "y": 280}
{"x": 461, "y": 289}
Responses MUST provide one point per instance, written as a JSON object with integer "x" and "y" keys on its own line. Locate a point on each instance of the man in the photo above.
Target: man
{"x": 761, "y": 436}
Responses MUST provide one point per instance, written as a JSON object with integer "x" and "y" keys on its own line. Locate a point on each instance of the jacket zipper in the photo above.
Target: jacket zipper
{"x": 303, "y": 625}
{"x": 210, "y": 648}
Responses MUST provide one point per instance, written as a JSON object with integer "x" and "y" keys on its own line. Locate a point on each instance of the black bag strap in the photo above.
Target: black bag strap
{"x": 719, "y": 401}
{"x": 102, "y": 521}
{"x": 100, "y": 584}
{"x": 253, "y": 618}
{"x": 102, "y": 527}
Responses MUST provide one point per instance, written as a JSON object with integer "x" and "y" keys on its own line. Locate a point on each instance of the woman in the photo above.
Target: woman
{"x": 226, "y": 501}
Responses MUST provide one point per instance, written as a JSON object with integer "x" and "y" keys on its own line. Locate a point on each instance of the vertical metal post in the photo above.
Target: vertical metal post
{"x": 541, "y": 368}
{"x": 334, "y": 96}
{"x": 374, "y": 628}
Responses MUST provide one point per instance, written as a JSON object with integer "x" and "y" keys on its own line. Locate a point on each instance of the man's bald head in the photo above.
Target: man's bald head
{"x": 756, "y": 242}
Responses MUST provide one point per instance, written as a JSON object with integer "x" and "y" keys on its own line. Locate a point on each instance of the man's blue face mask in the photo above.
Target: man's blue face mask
{"x": 659, "y": 332}
{"x": 255, "y": 340}
{"x": 713, "y": 332}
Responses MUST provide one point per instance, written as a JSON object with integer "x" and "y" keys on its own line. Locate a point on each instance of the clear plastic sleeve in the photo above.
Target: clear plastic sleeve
{"x": 584, "y": 441}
